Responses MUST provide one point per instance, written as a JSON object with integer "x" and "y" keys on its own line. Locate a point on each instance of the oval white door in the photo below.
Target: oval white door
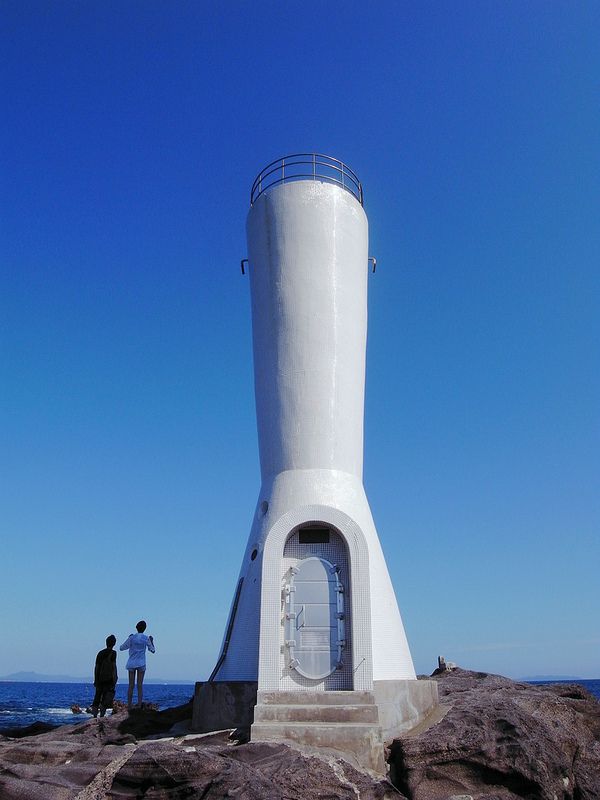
{"x": 314, "y": 618}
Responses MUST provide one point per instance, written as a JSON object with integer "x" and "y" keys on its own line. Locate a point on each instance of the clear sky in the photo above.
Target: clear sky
{"x": 129, "y": 472}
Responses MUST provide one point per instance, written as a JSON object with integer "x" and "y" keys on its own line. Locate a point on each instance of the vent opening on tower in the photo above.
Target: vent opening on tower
{"x": 313, "y": 535}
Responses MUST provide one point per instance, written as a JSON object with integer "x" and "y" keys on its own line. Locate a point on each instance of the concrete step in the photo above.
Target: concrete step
{"x": 316, "y": 713}
{"x": 331, "y": 729}
{"x": 305, "y": 698}
{"x": 361, "y": 743}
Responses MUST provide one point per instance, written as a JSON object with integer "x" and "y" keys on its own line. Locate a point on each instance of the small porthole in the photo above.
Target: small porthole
{"x": 264, "y": 507}
{"x": 253, "y": 554}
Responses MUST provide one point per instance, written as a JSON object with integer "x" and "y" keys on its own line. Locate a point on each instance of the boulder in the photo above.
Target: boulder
{"x": 261, "y": 771}
{"x": 504, "y": 740}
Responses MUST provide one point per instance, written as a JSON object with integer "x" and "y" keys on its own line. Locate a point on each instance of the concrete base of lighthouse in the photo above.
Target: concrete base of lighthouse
{"x": 344, "y": 723}
{"x": 403, "y": 704}
{"x": 353, "y": 725}
{"x": 220, "y": 705}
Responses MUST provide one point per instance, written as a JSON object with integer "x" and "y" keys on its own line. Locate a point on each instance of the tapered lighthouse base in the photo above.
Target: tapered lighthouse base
{"x": 277, "y": 633}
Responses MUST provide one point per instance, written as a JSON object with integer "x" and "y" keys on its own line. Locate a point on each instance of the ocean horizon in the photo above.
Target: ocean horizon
{"x": 36, "y": 677}
{"x": 24, "y": 676}
{"x": 24, "y": 702}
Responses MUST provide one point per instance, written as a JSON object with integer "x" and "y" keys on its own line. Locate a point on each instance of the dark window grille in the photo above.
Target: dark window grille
{"x": 313, "y": 535}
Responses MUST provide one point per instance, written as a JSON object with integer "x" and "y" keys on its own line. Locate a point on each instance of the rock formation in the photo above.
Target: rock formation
{"x": 502, "y": 740}
{"x": 107, "y": 759}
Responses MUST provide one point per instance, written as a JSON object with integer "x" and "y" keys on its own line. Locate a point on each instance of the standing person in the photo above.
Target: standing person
{"x": 105, "y": 677}
{"x": 137, "y": 643}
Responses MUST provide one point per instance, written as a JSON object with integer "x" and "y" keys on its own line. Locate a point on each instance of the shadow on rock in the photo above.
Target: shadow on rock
{"x": 145, "y": 722}
{"x": 29, "y": 730}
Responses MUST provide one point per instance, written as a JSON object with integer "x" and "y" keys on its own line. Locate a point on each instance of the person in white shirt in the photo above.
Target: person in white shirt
{"x": 137, "y": 643}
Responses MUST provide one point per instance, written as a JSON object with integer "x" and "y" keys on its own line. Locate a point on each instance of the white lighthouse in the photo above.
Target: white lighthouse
{"x": 314, "y": 616}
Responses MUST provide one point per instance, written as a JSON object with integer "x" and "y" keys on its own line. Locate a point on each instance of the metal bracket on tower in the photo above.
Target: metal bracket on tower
{"x": 245, "y": 261}
{"x": 374, "y": 260}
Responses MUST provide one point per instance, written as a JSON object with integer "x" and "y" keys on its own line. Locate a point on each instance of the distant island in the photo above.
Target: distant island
{"x": 36, "y": 677}
{"x": 552, "y": 678}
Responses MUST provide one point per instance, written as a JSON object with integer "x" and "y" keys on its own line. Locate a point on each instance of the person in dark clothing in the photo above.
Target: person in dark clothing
{"x": 105, "y": 677}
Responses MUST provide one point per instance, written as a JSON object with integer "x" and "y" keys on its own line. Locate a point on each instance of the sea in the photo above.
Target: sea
{"x": 23, "y": 703}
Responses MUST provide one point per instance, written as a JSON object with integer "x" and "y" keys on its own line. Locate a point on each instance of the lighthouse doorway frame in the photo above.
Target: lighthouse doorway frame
{"x": 272, "y": 623}
{"x": 316, "y": 608}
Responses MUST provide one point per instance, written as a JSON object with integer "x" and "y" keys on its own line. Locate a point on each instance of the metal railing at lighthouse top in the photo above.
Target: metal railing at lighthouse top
{"x": 306, "y": 166}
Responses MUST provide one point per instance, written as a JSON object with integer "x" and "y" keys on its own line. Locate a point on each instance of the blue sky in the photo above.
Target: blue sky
{"x": 128, "y": 454}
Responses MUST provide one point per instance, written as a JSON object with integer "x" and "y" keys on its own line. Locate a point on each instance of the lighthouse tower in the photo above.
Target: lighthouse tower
{"x": 314, "y": 611}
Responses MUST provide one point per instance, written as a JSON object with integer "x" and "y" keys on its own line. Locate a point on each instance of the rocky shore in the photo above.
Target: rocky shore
{"x": 492, "y": 739}
{"x": 503, "y": 740}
